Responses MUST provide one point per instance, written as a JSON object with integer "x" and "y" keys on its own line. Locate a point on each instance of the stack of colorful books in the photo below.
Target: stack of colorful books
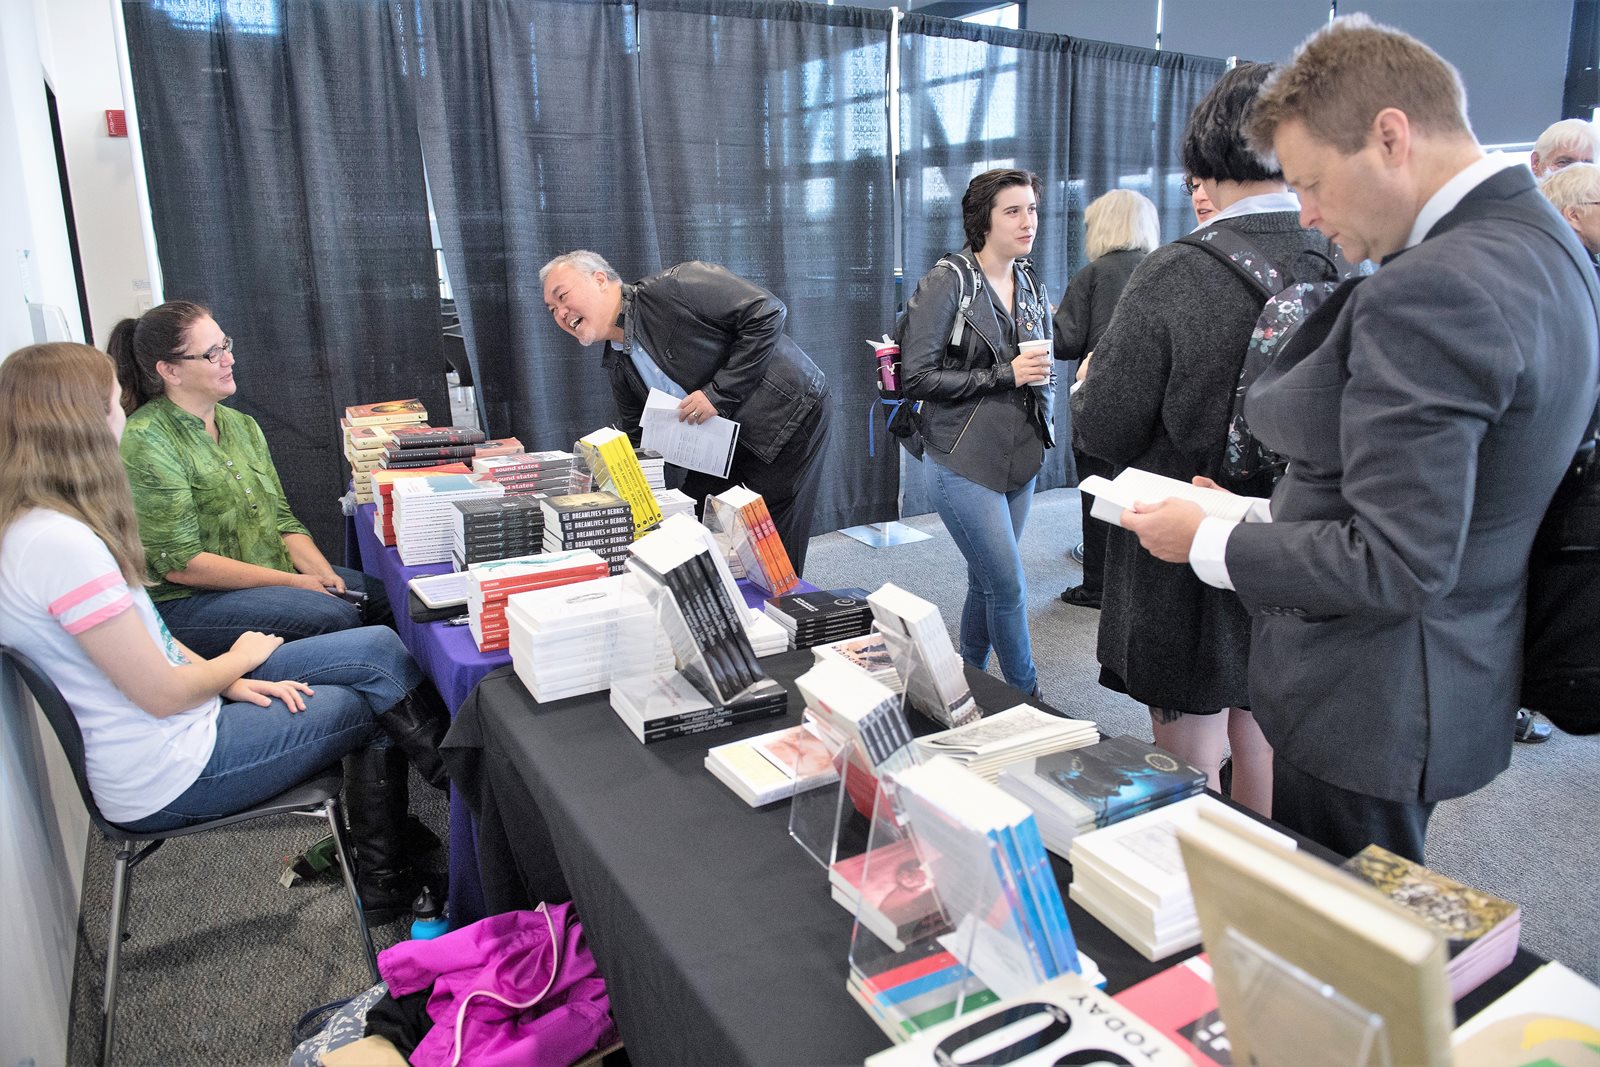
{"x": 383, "y": 483}
{"x": 616, "y": 469}
{"x": 366, "y": 429}
{"x": 551, "y": 473}
{"x": 742, "y": 515}
{"x": 1481, "y": 931}
{"x": 490, "y": 584}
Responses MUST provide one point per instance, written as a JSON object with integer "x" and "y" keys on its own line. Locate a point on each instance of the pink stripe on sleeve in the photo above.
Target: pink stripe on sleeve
{"x": 95, "y": 618}
{"x": 66, "y": 602}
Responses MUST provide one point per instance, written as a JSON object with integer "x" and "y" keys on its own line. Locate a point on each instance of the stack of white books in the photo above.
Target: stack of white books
{"x": 766, "y": 636}
{"x": 573, "y": 639}
{"x": 922, "y": 652}
{"x": 424, "y": 515}
{"x": 654, "y": 466}
{"x": 773, "y": 766}
{"x": 1022, "y": 732}
{"x": 1130, "y": 875}
{"x": 672, "y": 501}
{"x": 847, "y": 701}
{"x": 869, "y": 652}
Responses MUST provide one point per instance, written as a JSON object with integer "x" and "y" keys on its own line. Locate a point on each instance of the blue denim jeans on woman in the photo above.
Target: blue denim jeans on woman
{"x": 357, "y": 675}
{"x": 986, "y": 525}
{"x": 211, "y": 621}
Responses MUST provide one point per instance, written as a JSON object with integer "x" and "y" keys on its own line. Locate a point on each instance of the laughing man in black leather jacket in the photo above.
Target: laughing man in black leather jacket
{"x": 716, "y": 340}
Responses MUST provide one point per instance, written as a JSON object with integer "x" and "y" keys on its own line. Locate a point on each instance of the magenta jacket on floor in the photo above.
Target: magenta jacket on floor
{"x": 510, "y": 957}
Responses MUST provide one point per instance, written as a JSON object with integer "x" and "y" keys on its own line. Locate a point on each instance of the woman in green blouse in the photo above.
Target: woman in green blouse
{"x": 225, "y": 554}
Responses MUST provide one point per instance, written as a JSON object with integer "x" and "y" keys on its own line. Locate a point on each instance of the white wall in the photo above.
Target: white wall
{"x": 43, "y": 827}
{"x": 84, "y": 73}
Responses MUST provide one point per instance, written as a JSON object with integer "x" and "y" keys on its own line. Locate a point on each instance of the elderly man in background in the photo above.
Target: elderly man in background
{"x": 715, "y": 341}
{"x": 1563, "y": 144}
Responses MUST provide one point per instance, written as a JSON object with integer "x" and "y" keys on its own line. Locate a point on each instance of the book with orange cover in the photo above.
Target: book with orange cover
{"x": 387, "y": 413}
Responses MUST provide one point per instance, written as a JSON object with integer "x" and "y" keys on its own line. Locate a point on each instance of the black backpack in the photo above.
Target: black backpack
{"x": 1248, "y": 466}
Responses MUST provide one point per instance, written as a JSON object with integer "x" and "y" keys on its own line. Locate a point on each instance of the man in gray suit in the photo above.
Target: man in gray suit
{"x": 1427, "y": 413}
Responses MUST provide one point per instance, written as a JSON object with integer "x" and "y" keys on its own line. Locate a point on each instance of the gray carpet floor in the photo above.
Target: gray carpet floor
{"x": 221, "y": 960}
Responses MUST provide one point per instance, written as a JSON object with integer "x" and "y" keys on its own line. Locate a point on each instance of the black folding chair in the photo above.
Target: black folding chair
{"x": 318, "y": 795}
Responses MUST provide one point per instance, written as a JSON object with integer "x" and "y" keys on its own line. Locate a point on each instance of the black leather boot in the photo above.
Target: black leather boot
{"x": 417, "y": 725}
{"x": 375, "y": 796}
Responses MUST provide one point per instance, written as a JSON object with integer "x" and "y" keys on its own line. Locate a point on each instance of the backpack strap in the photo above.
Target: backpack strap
{"x": 1242, "y": 257}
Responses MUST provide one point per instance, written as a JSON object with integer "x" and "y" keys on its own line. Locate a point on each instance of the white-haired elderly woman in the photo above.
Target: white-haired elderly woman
{"x": 1575, "y": 193}
{"x": 1120, "y": 228}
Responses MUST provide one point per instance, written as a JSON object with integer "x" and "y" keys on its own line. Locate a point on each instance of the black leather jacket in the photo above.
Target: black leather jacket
{"x": 709, "y": 329}
{"x": 953, "y": 380}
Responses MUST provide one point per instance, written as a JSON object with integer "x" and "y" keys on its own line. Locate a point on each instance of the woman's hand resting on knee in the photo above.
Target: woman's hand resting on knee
{"x": 263, "y": 693}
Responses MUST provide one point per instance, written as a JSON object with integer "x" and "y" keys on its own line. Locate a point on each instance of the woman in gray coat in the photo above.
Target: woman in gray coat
{"x": 1157, "y": 396}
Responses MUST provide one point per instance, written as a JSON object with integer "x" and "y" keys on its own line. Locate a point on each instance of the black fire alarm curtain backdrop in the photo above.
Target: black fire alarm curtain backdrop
{"x": 285, "y": 143}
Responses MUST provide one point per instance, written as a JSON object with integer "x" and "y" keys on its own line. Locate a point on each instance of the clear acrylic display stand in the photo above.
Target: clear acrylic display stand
{"x": 691, "y": 661}
{"x": 1291, "y": 1016}
{"x": 917, "y": 682}
{"x": 936, "y": 934}
{"x": 834, "y": 823}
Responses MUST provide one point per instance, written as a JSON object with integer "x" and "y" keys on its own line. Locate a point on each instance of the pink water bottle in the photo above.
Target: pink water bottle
{"x": 888, "y": 353}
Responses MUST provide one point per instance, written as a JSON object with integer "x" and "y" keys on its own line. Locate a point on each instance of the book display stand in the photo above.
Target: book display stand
{"x": 917, "y": 681}
{"x": 1293, "y": 1017}
{"x": 692, "y": 661}
{"x": 946, "y": 923}
{"x": 834, "y": 824}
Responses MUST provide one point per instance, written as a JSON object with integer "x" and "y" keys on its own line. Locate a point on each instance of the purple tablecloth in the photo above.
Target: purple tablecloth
{"x": 449, "y": 656}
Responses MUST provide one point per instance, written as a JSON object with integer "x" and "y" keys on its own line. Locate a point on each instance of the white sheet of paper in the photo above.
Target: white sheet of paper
{"x": 704, "y": 446}
{"x": 1112, "y": 496}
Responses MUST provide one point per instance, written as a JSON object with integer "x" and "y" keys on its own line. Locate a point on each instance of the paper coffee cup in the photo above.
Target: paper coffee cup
{"x": 1038, "y": 346}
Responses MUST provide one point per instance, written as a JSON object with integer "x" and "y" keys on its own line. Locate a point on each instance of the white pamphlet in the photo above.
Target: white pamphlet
{"x": 700, "y": 446}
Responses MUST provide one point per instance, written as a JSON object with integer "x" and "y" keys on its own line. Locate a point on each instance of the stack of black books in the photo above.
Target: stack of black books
{"x": 500, "y": 528}
{"x": 820, "y": 617}
{"x": 600, "y": 522}
{"x": 428, "y": 446}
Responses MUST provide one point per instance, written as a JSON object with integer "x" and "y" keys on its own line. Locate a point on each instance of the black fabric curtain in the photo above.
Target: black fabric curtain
{"x": 973, "y": 98}
{"x": 287, "y": 193}
{"x": 529, "y": 117}
{"x": 1129, "y": 107}
{"x": 769, "y": 154}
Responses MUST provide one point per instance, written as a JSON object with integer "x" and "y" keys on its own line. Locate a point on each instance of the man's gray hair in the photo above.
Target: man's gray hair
{"x": 1569, "y": 133}
{"x": 1576, "y": 186}
{"x": 584, "y": 260}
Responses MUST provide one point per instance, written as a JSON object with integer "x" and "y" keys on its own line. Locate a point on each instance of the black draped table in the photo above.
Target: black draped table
{"x": 717, "y": 935}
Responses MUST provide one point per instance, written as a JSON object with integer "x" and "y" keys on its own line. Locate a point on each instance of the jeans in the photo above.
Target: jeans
{"x": 986, "y": 526}
{"x": 211, "y": 621}
{"x": 357, "y": 675}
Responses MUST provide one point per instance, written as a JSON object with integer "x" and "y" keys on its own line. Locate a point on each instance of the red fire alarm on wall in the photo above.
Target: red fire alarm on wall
{"x": 116, "y": 123}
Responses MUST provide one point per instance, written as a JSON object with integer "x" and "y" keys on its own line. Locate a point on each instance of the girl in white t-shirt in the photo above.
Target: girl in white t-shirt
{"x": 171, "y": 738}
